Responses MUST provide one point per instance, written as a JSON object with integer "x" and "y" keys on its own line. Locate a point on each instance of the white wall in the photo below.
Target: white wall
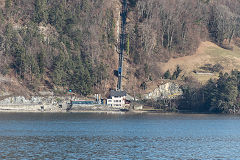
{"x": 116, "y": 102}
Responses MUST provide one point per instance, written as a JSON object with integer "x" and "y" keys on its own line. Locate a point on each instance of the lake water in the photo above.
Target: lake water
{"x": 119, "y": 136}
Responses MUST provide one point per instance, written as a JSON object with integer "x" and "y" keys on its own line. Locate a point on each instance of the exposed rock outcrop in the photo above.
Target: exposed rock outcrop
{"x": 169, "y": 90}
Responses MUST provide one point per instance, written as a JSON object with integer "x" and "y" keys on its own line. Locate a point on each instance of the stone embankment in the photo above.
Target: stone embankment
{"x": 33, "y": 104}
{"x": 95, "y": 108}
{"x": 30, "y": 108}
{"x": 50, "y": 104}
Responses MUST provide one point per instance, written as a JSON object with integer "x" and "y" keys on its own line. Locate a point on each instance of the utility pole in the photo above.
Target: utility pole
{"x": 122, "y": 43}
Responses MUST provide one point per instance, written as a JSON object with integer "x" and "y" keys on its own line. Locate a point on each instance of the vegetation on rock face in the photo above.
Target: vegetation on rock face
{"x": 71, "y": 44}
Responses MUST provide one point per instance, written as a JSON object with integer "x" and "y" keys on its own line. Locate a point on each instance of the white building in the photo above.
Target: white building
{"x": 117, "y": 99}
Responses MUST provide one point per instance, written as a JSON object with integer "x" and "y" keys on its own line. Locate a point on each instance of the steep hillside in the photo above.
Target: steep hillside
{"x": 191, "y": 34}
{"x": 60, "y": 45}
{"x": 73, "y": 44}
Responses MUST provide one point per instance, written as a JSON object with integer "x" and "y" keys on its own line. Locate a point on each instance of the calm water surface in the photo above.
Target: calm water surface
{"x": 104, "y": 136}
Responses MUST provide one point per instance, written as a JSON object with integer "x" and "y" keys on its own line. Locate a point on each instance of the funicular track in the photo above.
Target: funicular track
{"x": 122, "y": 43}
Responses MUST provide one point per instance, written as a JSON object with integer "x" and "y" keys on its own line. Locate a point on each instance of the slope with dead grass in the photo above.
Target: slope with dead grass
{"x": 207, "y": 53}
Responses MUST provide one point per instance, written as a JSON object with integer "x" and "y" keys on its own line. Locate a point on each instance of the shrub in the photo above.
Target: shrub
{"x": 4, "y": 70}
{"x": 217, "y": 67}
{"x": 167, "y": 75}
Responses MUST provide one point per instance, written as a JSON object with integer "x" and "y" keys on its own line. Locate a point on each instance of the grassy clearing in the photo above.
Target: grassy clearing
{"x": 227, "y": 58}
{"x": 207, "y": 53}
{"x": 220, "y": 52}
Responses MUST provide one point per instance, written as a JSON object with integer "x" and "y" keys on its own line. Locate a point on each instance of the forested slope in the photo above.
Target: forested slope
{"x": 62, "y": 44}
{"x": 72, "y": 44}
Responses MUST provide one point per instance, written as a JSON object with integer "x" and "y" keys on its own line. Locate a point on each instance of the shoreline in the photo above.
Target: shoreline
{"x": 132, "y": 112}
{"x": 111, "y": 112}
{"x": 36, "y": 108}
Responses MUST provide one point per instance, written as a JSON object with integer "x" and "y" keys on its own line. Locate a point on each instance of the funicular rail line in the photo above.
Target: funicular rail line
{"x": 122, "y": 43}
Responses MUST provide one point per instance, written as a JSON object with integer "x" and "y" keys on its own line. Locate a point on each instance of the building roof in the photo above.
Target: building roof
{"x": 114, "y": 93}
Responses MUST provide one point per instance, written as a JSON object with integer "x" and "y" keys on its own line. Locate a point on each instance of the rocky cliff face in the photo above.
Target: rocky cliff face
{"x": 169, "y": 90}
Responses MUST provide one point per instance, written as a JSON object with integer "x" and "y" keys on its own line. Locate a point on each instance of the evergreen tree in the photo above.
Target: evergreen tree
{"x": 210, "y": 93}
{"x": 59, "y": 74}
{"x": 19, "y": 55}
{"x": 167, "y": 75}
{"x": 34, "y": 67}
{"x": 9, "y": 38}
{"x": 41, "y": 63}
{"x": 31, "y": 69}
{"x": 143, "y": 86}
{"x": 87, "y": 89}
{"x": 82, "y": 79}
{"x": 57, "y": 17}
{"x": 41, "y": 14}
{"x": 132, "y": 3}
{"x": 176, "y": 73}
{"x": 222, "y": 95}
{"x": 236, "y": 73}
{"x": 8, "y": 3}
{"x": 77, "y": 82}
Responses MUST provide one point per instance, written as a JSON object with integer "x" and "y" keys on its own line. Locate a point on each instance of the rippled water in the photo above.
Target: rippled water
{"x": 104, "y": 136}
